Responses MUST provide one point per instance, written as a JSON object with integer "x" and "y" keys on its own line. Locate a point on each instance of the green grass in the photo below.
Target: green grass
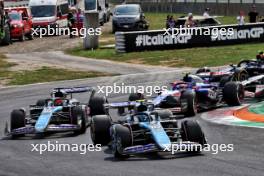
{"x": 47, "y": 74}
{"x": 44, "y": 74}
{"x": 4, "y": 66}
{"x": 194, "y": 57}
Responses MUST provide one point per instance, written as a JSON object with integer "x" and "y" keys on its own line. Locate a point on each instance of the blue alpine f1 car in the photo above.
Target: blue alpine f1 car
{"x": 59, "y": 113}
{"x": 143, "y": 131}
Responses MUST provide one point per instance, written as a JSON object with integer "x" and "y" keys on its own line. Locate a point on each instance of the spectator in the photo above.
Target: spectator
{"x": 253, "y": 14}
{"x": 206, "y": 13}
{"x": 79, "y": 20}
{"x": 71, "y": 22}
{"x": 167, "y": 22}
{"x": 171, "y": 22}
{"x": 260, "y": 55}
{"x": 189, "y": 22}
{"x": 241, "y": 18}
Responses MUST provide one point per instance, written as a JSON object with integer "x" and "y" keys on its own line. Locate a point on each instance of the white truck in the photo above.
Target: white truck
{"x": 49, "y": 12}
{"x": 102, "y": 8}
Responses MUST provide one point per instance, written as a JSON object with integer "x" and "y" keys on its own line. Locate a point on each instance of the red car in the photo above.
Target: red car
{"x": 21, "y": 23}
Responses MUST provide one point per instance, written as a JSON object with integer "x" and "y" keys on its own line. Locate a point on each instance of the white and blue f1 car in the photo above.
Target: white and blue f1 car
{"x": 57, "y": 113}
{"x": 143, "y": 131}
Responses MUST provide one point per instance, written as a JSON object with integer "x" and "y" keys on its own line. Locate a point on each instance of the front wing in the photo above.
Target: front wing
{"x": 50, "y": 128}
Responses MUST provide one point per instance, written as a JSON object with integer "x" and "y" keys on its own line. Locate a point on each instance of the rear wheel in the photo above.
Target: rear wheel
{"x": 96, "y": 105}
{"x": 78, "y": 118}
{"x": 233, "y": 93}
{"x": 100, "y": 129}
{"x": 122, "y": 138}
{"x": 189, "y": 98}
{"x": 191, "y": 131}
{"x": 240, "y": 75}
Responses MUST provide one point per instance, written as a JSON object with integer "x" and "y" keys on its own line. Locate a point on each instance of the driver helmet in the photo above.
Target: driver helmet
{"x": 141, "y": 108}
{"x": 260, "y": 55}
{"x": 60, "y": 94}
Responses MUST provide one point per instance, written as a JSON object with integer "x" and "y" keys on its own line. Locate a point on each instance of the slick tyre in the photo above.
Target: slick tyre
{"x": 191, "y": 131}
{"x": 100, "y": 129}
{"x": 122, "y": 138}
{"x": 240, "y": 75}
{"x": 233, "y": 93}
{"x": 18, "y": 120}
{"x": 96, "y": 105}
{"x": 189, "y": 98}
{"x": 78, "y": 118}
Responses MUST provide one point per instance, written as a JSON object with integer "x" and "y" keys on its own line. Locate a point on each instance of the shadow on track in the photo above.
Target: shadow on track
{"x": 151, "y": 156}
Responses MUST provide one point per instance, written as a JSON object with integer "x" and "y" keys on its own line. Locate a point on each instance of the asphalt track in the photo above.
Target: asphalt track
{"x": 16, "y": 157}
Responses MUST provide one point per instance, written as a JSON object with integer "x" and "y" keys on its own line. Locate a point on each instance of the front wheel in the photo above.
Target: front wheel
{"x": 78, "y": 118}
{"x": 100, "y": 129}
{"x": 191, "y": 131}
{"x": 18, "y": 120}
{"x": 122, "y": 138}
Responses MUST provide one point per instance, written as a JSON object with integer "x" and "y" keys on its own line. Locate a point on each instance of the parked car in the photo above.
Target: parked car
{"x": 21, "y": 23}
{"x": 128, "y": 17}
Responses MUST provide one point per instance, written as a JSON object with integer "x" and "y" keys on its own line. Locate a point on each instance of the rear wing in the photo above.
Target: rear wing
{"x": 130, "y": 105}
{"x": 74, "y": 89}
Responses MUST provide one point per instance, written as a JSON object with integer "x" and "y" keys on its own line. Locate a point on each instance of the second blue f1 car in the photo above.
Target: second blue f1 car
{"x": 57, "y": 113}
